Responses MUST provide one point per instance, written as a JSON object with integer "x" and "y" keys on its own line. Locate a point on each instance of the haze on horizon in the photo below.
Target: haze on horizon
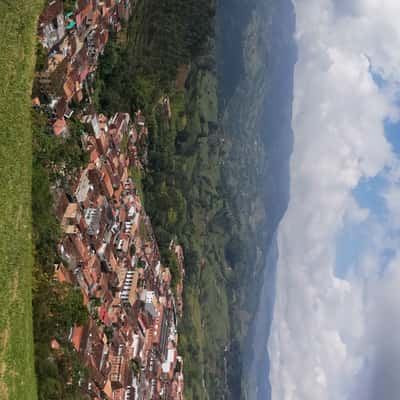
{"x": 337, "y": 299}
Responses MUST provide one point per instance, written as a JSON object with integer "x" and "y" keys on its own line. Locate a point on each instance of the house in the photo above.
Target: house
{"x": 69, "y": 251}
{"x": 71, "y": 218}
{"x": 168, "y": 365}
{"x": 69, "y": 88}
{"x": 78, "y": 333}
{"x": 84, "y": 14}
{"x": 62, "y": 110}
{"x": 119, "y": 368}
{"x": 62, "y": 274}
{"x": 73, "y": 248}
{"x": 92, "y": 218}
{"x": 120, "y": 121}
{"x": 83, "y": 187}
{"x": 60, "y": 127}
{"x": 107, "y": 184}
{"x": 128, "y": 293}
{"x": 107, "y": 390}
{"x": 51, "y": 24}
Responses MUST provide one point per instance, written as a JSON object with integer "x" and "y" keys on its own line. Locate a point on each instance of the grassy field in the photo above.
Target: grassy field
{"x": 17, "y": 49}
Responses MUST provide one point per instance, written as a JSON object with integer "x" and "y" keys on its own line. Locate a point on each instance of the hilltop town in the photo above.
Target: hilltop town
{"x": 107, "y": 248}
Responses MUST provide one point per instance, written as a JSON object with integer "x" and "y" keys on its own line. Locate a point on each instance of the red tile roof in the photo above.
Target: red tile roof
{"x": 85, "y": 7}
{"x": 103, "y": 315}
{"x": 77, "y": 336}
{"x": 84, "y": 74}
{"x": 51, "y": 11}
{"x": 55, "y": 345}
{"x": 59, "y": 127}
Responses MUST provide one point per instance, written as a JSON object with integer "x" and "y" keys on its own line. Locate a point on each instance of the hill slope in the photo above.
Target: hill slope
{"x": 17, "y": 49}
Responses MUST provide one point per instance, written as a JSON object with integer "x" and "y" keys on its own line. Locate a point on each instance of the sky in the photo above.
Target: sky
{"x": 334, "y": 333}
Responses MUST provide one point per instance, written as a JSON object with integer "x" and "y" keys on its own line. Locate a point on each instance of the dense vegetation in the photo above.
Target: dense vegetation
{"x": 142, "y": 62}
{"x": 17, "y": 48}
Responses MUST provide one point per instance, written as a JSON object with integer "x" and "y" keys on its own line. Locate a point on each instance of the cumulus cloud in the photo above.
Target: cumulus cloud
{"x": 330, "y": 337}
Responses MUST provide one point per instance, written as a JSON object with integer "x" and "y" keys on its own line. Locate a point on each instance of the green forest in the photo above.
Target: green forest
{"x": 143, "y": 60}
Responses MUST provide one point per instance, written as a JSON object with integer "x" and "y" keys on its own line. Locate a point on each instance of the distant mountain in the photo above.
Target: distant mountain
{"x": 256, "y": 58}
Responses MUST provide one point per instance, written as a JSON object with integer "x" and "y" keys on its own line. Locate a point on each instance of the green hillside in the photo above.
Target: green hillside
{"x": 17, "y": 50}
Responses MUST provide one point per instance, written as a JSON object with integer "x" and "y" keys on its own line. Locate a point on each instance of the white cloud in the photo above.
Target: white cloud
{"x": 325, "y": 331}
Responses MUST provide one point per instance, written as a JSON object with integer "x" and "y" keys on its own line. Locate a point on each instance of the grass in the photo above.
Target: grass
{"x": 17, "y": 59}
{"x": 136, "y": 175}
{"x": 143, "y": 232}
{"x": 124, "y": 144}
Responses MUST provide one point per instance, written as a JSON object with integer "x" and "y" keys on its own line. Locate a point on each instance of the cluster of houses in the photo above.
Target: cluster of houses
{"x": 74, "y": 35}
{"x": 108, "y": 247}
{"x": 130, "y": 344}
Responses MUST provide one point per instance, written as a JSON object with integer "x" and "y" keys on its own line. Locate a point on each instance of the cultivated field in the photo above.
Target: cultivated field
{"x": 17, "y": 49}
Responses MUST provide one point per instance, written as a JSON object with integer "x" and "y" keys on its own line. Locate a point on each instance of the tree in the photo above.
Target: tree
{"x": 67, "y": 307}
{"x": 174, "y": 269}
{"x": 69, "y": 5}
{"x": 135, "y": 366}
{"x": 234, "y": 250}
